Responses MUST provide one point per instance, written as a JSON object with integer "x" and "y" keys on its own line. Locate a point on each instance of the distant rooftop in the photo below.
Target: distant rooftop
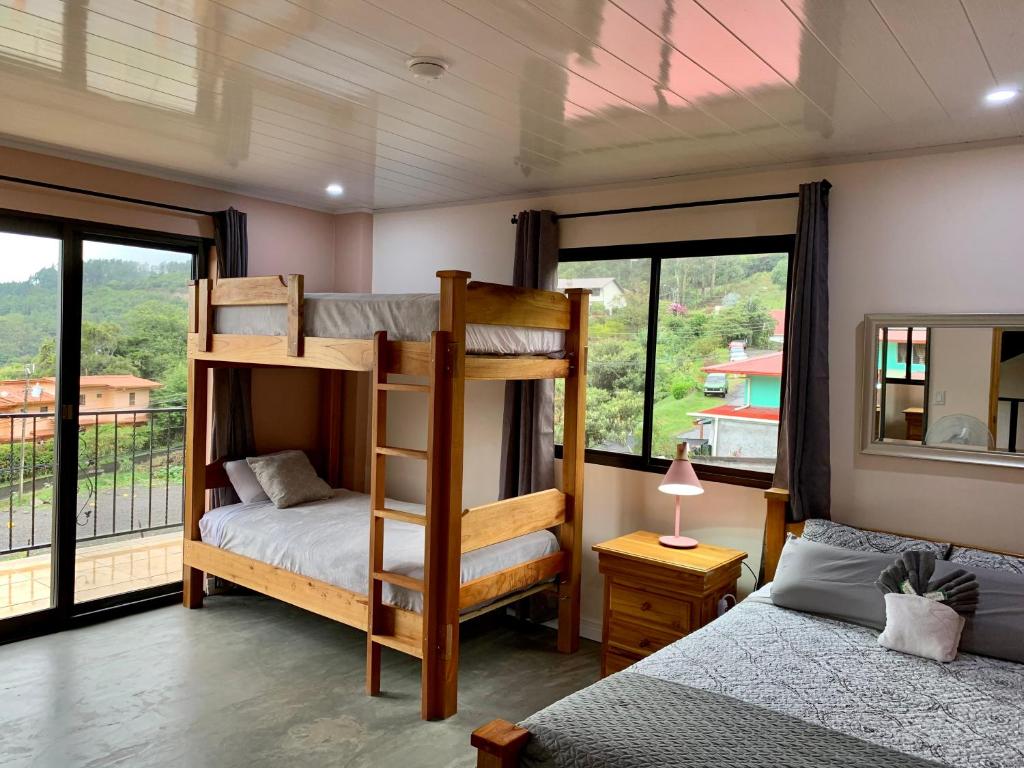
{"x": 585, "y": 282}
{"x": 763, "y": 365}
{"x": 753, "y": 412}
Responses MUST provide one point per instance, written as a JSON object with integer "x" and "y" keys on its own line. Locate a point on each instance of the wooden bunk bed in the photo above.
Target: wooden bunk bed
{"x": 444, "y": 366}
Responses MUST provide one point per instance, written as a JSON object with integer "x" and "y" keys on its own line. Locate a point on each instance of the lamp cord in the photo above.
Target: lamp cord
{"x": 745, "y": 565}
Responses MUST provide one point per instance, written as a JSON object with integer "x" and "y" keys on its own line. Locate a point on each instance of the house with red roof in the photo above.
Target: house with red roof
{"x": 749, "y": 428}
{"x": 101, "y": 400}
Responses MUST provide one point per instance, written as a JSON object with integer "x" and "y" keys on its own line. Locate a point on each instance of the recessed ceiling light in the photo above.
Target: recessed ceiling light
{"x": 1002, "y": 95}
{"x": 335, "y": 189}
{"x": 427, "y": 67}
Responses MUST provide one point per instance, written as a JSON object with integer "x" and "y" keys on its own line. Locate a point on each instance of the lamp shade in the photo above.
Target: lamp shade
{"x": 681, "y": 479}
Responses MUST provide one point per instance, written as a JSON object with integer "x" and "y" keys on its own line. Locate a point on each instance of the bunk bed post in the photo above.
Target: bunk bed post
{"x": 204, "y": 314}
{"x": 296, "y": 316}
{"x": 443, "y": 556}
{"x": 570, "y": 533}
{"x": 195, "y": 472}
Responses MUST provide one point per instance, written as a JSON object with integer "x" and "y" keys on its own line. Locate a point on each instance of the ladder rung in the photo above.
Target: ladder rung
{"x": 405, "y": 517}
{"x": 400, "y": 580}
{"x": 399, "y": 643}
{"x": 408, "y": 453}
{"x": 394, "y": 387}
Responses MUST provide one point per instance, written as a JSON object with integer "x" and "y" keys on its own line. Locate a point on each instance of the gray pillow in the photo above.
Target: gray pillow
{"x": 244, "y": 481}
{"x": 968, "y": 558}
{"x": 848, "y": 537}
{"x": 840, "y": 583}
{"x": 288, "y": 478}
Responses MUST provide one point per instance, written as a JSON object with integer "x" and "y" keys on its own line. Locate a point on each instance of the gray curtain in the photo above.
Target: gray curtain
{"x": 232, "y": 387}
{"x": 528, "y": 429}
{"x": 803, "y": 465}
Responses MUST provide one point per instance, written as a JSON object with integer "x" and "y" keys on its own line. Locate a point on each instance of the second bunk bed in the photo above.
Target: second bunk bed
{"x": 473, "y": 560}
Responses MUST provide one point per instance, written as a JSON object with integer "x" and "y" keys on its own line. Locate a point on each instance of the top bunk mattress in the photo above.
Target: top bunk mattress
{"x": 405, "y": 316}
{"x": 328, "y": 540}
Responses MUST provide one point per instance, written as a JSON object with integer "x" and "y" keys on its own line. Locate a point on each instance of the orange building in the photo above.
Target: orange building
{"x": 96, "y": 394}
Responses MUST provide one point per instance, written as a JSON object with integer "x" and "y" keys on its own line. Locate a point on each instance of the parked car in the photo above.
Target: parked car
{"x": 716, "y": 384}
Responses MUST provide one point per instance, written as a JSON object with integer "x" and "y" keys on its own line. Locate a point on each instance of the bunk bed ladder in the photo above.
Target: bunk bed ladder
{"x": 379, "y": 632}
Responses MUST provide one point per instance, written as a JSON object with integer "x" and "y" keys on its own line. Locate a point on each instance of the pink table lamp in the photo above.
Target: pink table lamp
{"x": 680, "y": 480}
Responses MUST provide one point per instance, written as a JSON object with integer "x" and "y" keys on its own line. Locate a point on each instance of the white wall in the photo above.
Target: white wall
{"x": 932, "y": 233}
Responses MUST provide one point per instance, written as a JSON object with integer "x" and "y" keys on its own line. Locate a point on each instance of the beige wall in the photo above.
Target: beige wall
{"x": 900, "y": 229}
{"x": 959, "y": 371}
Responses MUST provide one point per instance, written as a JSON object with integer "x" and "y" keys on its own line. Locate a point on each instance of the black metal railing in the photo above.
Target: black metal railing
{"x": 130, "y": 468}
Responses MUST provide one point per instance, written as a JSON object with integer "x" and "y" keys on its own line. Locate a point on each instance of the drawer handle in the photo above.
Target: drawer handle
{"x": 645, "y": 606}
{"x": 644, "y": 643}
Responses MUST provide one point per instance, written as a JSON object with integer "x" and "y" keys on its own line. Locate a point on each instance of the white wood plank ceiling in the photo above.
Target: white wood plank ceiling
{"x": 279, "y": 98}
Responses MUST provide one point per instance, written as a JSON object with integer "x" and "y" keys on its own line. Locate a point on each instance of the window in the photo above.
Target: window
{"x": 692, "y": 351}
{"x": 44, "y": 409}
{"x": 131, "y": 398}
{"x": 81, "y": 400}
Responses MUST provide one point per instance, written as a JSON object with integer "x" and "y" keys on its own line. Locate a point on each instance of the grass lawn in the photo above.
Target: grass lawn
{"x": 670, "y": 419}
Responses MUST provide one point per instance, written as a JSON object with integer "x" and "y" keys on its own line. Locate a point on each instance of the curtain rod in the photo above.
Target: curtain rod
{"x": 105, "y": 195}
{"x": 671, "y": 206}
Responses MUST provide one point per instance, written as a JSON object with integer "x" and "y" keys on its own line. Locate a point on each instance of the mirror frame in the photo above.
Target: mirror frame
{"x": 872, "y": 325}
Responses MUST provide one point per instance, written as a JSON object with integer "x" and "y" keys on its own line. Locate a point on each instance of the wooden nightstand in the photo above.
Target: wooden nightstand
{"x": 654, "y": 595}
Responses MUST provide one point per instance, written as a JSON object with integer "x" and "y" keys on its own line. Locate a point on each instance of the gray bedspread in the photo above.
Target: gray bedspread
{"x": 824, "y": 673}
{"x": 636, "y": 721}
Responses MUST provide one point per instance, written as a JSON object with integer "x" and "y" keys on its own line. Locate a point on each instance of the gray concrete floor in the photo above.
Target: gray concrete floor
{"x": 248, "y": 682}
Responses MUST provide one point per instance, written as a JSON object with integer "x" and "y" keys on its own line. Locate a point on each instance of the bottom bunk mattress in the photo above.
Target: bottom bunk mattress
{"x": 328, "y": 540}
{"x": 765, "y": 686}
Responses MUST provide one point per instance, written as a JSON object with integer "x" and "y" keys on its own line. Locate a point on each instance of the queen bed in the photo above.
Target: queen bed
{"x": 767, "y": 685}
{"x": 764, "y": 685}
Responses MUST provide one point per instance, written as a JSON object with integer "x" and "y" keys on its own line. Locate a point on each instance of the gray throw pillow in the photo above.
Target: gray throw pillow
{"x": 840, "y": 583}
{"x": 968, "y": 558}
{"x": 848, "y": 537}
{"x": 288, "y": 478}
{"x": 244, "y": 481}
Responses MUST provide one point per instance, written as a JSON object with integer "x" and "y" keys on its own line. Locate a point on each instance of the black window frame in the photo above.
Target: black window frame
{"x": 657, "y": 253}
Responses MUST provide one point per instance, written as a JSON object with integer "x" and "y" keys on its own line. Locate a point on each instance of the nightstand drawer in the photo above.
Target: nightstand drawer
{"x": 649, "y": 608}
{"x": 636, "y": 638}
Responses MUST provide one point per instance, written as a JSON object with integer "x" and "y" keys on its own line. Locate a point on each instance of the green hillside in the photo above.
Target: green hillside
{"x": 134, "y": 320}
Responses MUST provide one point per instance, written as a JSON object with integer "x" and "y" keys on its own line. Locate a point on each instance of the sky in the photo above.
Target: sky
{"x": 21, "y": 256}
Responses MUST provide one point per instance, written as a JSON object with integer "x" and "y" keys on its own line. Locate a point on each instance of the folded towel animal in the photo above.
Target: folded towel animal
{"x": 925, "y": 618}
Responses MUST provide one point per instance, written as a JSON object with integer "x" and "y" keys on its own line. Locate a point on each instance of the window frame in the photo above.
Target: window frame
{"x": 657, "y": 253}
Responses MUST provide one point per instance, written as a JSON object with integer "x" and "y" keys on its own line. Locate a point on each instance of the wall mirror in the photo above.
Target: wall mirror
{"x": 945, "y": 387}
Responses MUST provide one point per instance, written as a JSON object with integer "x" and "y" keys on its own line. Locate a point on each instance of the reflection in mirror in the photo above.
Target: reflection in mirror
{"x": 946, "y": 385}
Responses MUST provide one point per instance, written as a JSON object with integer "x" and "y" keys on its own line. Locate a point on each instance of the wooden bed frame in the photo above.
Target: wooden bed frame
{"x": 499, "y": 742}
{"x": 432, "y": 636}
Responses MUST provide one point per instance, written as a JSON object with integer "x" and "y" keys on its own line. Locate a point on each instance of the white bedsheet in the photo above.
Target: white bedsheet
{"x": 406, "y": 317}
{"x": 328, "y": 540}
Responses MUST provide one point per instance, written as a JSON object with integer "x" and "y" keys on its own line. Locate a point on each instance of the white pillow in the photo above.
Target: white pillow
{"x": 244, "y": 481}
{"x": 921, "y": 627}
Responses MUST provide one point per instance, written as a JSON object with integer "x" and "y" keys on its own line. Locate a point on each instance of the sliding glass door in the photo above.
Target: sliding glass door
{"x": 30, "y": 264}
{"x": 131, "y": 419}
{"x": 93, "y": 325}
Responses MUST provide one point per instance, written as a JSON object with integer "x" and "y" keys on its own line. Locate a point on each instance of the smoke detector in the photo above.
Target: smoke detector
{"x": 426, "y": 67}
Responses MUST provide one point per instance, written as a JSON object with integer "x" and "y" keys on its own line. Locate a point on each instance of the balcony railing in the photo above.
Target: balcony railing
{"x": 130, "y": 465}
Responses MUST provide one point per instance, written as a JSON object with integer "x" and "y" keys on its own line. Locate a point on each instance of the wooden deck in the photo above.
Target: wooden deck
{"x": 101, "y": 570}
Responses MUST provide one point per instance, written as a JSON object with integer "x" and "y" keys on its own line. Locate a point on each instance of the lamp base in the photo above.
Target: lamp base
{"x": 678, "y": 542}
